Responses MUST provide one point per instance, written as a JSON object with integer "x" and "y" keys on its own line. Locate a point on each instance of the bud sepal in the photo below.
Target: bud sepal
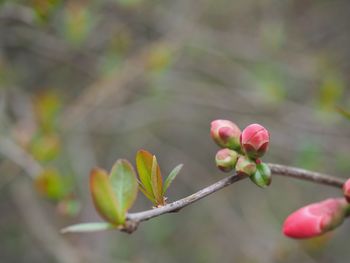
{"x": 262, "y": 176}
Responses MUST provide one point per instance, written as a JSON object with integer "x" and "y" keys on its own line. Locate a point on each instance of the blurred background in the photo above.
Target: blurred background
{"x": 84, "y": 82}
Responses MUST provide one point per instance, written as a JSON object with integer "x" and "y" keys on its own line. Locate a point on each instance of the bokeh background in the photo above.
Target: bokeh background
{"x": 84, "y": 82}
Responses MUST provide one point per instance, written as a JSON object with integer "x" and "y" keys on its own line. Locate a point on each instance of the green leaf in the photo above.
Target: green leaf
{"x": 262, "y": 176}
{"x": 144, "y": 161}
{"x": 157, "y": 182}
{"x": 171, "y": 177}
{"x": 88, "y": 227}
{"x": 124, "y": 185}
{"x": 104, "y": 199}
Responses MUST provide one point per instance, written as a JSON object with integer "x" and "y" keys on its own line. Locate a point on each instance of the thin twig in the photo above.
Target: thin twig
{"x": 307, "y": 175}
{"x": 179, "y": 204}
{"x": 133, "y": 219}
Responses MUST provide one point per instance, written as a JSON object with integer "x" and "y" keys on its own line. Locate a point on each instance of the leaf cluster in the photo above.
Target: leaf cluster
{"x": 115, "y": 192}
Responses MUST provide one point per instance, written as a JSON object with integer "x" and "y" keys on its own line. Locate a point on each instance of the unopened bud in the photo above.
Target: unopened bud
{"x": 245, "y": 165}
{"x": 346, "y": 190}
{"x": 226, "y": 134}
{"x": 226, "y": 159}
{"x": 255, "y": 140}
{"x": 316, "y": 219}
{"x": 262, "y": 176}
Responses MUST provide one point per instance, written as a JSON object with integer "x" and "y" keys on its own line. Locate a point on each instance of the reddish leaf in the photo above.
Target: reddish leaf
{"x": 144, "y": 169}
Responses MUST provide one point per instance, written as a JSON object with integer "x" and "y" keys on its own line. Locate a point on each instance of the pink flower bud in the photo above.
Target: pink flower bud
{"x": 315, "y": 219}
{"x": 255, "y": 140}
{"x": 346, "y": 190}
{"x": 226, "y": 134}
{"x": 226, "y": 159}
{"x": 245, "y": 165}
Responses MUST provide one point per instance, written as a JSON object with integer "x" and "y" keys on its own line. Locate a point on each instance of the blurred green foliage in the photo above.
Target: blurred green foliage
{"x": 84, "y": 82}
{"x": 50, "y": 184}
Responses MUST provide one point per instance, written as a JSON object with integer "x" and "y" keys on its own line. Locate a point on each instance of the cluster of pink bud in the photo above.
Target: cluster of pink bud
{"x": 316, "y": 219}
{"x": 241, "y": 150}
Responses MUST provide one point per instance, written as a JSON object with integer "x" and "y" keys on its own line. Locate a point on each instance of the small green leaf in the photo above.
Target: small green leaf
{"x": 88, "y": 227}
{"x": 157, "y": 182}
{"x": 103, "y": 196}
{"x": 262, "y": 176}
{"x": 124, "y": 185}
{"x": 171, "y": 177}
{"x": 144, "y": 169}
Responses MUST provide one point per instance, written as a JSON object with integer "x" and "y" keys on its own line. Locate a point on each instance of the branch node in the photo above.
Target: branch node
{"x": 130, "y": 226}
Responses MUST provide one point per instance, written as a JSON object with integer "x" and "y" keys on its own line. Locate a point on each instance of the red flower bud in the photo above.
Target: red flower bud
{"x": 346, "y": 190}
{"x": 226, "y": 134}
{"x": 226, "y": 159}
{"x": 255, "y": 140}
{"x": 245, "y": 165}
{"x": 315, "y": 219}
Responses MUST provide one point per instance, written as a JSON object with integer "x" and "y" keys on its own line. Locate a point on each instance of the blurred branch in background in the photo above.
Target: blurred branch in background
{"x": 20, "y": 157}
{"x": 41, "y": 227}
{"x": 116, "y": 84}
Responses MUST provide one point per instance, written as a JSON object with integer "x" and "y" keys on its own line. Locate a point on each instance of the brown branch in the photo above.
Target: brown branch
{"x": 133, "y": 219}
